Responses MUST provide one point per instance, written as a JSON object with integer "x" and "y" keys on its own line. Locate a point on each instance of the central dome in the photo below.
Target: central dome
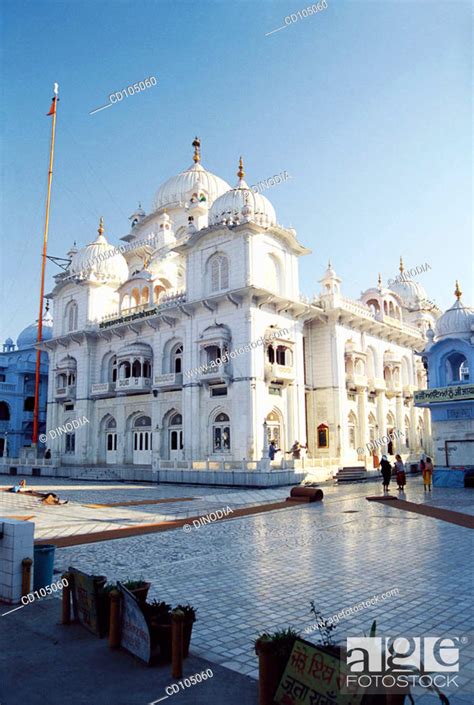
{"x": 194, "y": 180}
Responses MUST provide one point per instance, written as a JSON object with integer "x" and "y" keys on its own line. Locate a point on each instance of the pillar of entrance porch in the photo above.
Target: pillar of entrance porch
{"x": 16, "y": 543}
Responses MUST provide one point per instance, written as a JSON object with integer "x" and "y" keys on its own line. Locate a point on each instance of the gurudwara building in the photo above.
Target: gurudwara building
{"x": 189, "y": 347}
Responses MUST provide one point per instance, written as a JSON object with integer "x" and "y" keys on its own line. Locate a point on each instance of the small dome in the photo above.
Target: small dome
{"x": 8, "y": 341}
{"x": 412, "y": 294}
{"x": 29, "y": 336}
{"x": 99, "y": 261}
{"x": 179, "y": 189}
{"x": 242, "y": 203}
{"x": 457, "y": 321}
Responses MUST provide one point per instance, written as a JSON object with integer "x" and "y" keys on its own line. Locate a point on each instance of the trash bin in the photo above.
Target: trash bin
{"x": 44, "y": 564}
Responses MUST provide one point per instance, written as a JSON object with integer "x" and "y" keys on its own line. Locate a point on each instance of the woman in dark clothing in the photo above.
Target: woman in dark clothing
{"x": 386, "y": 470}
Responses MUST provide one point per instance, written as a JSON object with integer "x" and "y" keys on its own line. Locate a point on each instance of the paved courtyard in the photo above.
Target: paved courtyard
{"x": 259, "y": 572}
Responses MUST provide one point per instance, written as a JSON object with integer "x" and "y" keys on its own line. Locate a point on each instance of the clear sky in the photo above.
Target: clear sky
{"x": 366, "y": 105}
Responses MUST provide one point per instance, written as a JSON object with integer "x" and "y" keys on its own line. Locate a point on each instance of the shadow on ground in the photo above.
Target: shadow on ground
{"x": 42, "y": 661}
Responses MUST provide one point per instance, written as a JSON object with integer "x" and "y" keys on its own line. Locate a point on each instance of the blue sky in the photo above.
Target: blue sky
{"x": 365, "y": 104}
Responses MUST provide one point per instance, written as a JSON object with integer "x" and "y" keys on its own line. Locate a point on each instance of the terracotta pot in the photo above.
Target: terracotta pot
{"x": 187, "y": 631}
{"x": 161, "y": 637}
{"x": 271, "y": 666}
{"x": 141, "y": 593}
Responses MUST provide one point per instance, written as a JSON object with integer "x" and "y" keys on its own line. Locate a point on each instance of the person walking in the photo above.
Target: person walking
{"x": 386, "y": 470}
{"x": 428, "y": 474}
{"x": 272, "y": 450}
{"x": 400, "y": 473}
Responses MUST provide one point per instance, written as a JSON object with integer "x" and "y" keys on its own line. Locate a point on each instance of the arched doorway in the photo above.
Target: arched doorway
{"x": 221, "y": 434}
{"x": 111, "y": 442}
{"x": 274, "y": 429}
{"x": 175, "y": 437}
{"x": 142, "y": 441}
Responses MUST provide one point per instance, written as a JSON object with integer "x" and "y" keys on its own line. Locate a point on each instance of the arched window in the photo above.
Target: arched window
{"x": 4, "y": 411}
{"x": 374, "y": 305}
{"x": 124, "y": 370}
{"x": 407, "y": 432}
{"x": 145, "y": 295}
{"x": 385, "y": 308}
{"x": 457, "y": 369}
{"x": 359, "y": 368}
{"x": 271, "y": 354}
{"x": 147, "y": 369}
{"x": 70, "y": 317}
{"x": 352, "y": 430}
{"x": 157, "y": 292}
{"x": 282, "y": 355}
{"x": 272, "y": 273}
{"x": 421, "y": 434}
{"x": 176, "y": 420}
{"x": 221, "y": 434}
{"x": 112, "y": 370}
{"x": 29, "y": 404}
{"x": 219, "y": 271}
{"x": 136, "y": 368}
{"x": 177, "y": 359}
{"x": 391, "y": 309}
{"x": 323, "y": 436}
{"x": 135, "y": 297}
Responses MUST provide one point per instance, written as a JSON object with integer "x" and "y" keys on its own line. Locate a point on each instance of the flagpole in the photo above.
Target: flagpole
{"x": 43, "y": 269}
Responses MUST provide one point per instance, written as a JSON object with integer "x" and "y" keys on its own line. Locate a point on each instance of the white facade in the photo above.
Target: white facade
{"x": 211, "y": 272}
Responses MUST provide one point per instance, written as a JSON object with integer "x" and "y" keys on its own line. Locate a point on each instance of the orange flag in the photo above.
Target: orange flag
{"x": 52, "y": 110}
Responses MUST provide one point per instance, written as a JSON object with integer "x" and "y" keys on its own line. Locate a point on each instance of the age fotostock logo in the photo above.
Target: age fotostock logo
{"x": 386, "y": 661}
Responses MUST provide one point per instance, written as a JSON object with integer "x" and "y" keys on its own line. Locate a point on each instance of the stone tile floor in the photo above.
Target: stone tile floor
{"x": 259, "y": 572}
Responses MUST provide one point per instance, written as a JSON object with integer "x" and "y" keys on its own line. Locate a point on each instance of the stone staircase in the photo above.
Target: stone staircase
{"x": 357, "y": 473}
{"x": 97, "y": 473}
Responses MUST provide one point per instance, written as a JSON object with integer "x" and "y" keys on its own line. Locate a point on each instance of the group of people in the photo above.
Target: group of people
{"x": 426, "y": 467}
{"x": 295, "y": 450}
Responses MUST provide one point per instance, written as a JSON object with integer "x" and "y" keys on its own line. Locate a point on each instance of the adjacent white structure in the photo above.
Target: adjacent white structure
{"x": 140, "y": 333}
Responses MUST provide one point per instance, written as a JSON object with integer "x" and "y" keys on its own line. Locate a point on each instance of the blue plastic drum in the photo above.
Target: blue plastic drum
{"x": 44, "y": 564}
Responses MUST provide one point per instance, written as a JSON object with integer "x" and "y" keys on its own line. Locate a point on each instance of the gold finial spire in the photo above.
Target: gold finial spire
{"x": 379, "y": 281}
{"x": 401, "y": 264}
{"x": 241, "y": 172}
{"x": 101, "y": 226}
{"x": 197, "y": 150}
{"x": 457, "y": 292}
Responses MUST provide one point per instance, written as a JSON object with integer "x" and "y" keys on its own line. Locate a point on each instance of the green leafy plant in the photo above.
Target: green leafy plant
{"x": 134, "y": 584}
{"x": 282, "y": 638}
{"x": 325, "y": 626}
{"x": 159, "y": 611}
{"x": 189, "y": 612}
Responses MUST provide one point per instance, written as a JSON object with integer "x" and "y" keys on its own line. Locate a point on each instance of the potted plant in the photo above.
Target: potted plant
{"x": 189, "y": 619}
{"x": 273, "y": 651}
{"x": 139, "y": 588}
{"x": 158, "y": 617}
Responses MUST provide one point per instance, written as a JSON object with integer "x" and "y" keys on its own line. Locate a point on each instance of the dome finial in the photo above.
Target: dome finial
{"x": 379, "y": 281}
{"x": 197, "y": 150}
{"x": 401, "y": 264}
{"x": 457, "y": 291}
{"x": 241, "y": 172}
{"x": 329, "y": 264}
{"x": 101, "y": 226}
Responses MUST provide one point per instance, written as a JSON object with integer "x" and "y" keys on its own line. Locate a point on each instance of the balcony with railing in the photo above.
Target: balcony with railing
{"x": 215, "y": 373}
{"x": 66, "y": 392}
{"x": 172, "y": 380}
{"x": 103, "y": 389}
{"x": 274, "y": 372}
{"x": 133, "y": 385}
